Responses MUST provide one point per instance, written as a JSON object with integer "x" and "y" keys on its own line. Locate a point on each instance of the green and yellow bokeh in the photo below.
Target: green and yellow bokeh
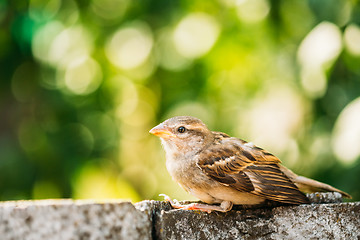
{"x": 82, "y": 82}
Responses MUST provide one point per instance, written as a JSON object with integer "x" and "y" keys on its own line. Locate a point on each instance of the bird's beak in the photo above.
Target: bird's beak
{"x": 161, "y": 131}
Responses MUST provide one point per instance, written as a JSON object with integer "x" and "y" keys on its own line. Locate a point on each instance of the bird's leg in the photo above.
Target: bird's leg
{"x": 225, "y": 206}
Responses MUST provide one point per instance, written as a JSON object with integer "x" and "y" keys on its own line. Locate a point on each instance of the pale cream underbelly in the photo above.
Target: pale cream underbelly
{"x": 220, "y": 194}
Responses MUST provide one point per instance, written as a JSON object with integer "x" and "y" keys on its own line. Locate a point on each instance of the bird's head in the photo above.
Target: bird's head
{"x": 183, "y": 135}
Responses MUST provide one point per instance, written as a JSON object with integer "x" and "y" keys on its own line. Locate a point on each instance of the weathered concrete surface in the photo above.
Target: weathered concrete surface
{"x": 67, "y": 219}
{"x": 313, "y": 221}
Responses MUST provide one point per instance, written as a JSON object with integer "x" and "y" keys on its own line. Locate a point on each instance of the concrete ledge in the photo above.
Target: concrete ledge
{"x": 316, "y": 221}
{"x": 68, "y": 219}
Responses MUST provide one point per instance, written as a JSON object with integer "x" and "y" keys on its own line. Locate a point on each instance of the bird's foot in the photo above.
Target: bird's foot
{"x": 225, "y": 206}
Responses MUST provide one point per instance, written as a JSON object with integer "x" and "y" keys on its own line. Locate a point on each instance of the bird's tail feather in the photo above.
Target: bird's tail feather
{"x": 309, "y": 185}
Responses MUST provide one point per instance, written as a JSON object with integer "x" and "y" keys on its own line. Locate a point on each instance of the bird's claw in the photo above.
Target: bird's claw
{"x": 168, "y": 199}
{"x": 175, "y": 204}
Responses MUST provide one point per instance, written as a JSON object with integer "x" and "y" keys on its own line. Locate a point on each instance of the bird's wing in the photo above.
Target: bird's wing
{"x": 248, "y": 168}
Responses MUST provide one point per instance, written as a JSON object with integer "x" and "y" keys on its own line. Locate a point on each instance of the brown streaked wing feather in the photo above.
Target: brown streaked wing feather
{"x": 255, "y": 171}
{"x": 270, "y": 182}
{"x": 226, "y": 167}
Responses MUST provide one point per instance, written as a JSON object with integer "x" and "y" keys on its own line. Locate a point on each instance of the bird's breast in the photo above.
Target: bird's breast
{"x": 185, "y": 171}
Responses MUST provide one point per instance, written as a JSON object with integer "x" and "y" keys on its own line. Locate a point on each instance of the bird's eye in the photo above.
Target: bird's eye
{"x": 181, "y": 129}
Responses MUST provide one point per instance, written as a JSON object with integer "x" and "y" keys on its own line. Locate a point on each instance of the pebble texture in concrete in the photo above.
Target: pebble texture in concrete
{"x": 325, "y": 218}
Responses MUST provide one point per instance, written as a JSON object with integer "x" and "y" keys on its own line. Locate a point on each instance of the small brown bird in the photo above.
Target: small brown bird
{"x": 219, "y": 169}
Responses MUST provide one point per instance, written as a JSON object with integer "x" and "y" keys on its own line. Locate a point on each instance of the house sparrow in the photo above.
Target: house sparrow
{"x": 219, "y": 169}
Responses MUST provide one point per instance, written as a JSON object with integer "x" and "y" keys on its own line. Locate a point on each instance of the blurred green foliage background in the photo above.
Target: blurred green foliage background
{"x": 82, "y": 82}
